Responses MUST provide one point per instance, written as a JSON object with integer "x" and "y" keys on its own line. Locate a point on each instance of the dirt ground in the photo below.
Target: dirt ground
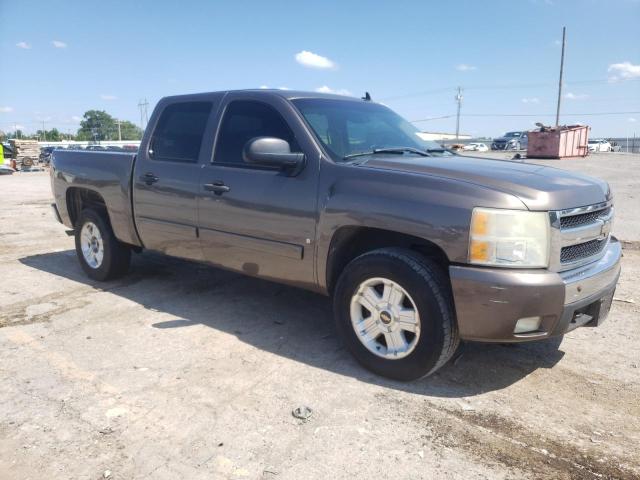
{"x": 181, "y": 371}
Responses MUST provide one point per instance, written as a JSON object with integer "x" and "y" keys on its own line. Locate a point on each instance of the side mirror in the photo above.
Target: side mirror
{"x": 273, "y": 152}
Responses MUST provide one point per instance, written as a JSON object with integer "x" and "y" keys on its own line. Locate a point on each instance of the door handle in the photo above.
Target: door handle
{"x": 149, "y": 178}
{"x": 218, "y": 187}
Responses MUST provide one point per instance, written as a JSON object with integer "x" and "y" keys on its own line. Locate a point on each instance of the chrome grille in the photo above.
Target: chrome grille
{"x": 579, "y": 235}
{"x": 577, "y": 252}
{"x": 584, "y": 218}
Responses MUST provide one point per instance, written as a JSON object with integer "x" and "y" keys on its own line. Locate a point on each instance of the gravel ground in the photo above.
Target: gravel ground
{"x": 184, "y": 371}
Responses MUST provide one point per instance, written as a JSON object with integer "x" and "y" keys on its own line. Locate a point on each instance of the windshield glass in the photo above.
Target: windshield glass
{"x": 512, "y": 134}
{"x": 347, "y": 128}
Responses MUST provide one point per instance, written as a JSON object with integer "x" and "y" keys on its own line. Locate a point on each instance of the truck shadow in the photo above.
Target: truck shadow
{"x": 290, "y": 322}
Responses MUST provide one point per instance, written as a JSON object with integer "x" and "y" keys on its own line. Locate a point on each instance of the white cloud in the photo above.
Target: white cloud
{"x": 575, "y": 96}
{"x": 58, "y": 44}
{"x": 6, "y": 109}
{"x": 632, "y": 120}
{"x": 312, "y": 60}
{"x": 339, "y": 91}
{"x": 24, "y": 45}
{"x": 531, "y": 100}
{"x": 75, "y": 118}
{"x": 557, "y": 42}
{"x": 463, "y": 67}
{"x": 104, "y": 96}
{"x": 623, "y": 71}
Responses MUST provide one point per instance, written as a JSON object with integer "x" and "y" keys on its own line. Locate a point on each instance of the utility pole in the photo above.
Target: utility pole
{"x": 564, "y": 30}
{"x": 459, "y": 100}
{"x": 144, "y": 115}
{"x": 119, "y": 130}
{"x": 44, "y": 132}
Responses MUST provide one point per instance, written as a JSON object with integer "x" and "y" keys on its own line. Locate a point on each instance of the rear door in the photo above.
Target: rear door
{"x": 264, "y": 223}
{"x": 166, "y": 178}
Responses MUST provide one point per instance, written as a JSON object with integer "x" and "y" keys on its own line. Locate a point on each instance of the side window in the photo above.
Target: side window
{"x": 178, "y": 134}
{"x": 244, "y": 120}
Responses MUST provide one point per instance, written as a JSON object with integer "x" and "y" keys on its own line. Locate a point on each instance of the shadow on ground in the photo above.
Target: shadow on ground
{"x": 290, "y": 322}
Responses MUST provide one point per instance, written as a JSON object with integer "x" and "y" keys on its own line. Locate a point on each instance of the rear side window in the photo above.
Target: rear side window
{"x": 244, "y": 120}
{"x": 178, "y": 135}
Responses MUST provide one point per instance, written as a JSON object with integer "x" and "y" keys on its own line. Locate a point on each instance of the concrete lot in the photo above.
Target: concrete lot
{"x": 184, "y": 371}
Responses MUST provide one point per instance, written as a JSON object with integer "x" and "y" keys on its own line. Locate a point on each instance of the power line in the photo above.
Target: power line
{"x": 512, "y": 86}
{"x": 583, "y": 114}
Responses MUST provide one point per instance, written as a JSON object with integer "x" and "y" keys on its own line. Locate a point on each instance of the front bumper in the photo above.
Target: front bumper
{"x": 490, "y": 301}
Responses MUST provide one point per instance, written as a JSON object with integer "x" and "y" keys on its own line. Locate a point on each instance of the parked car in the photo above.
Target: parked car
{"x": 45, "y": 154}
{"x": 417, "y": 247}
{"x": 599, "y": 145}
{"x": 476, "y": 147}
{"x": 99, "y": 148}
{"x": 511, "y": 141}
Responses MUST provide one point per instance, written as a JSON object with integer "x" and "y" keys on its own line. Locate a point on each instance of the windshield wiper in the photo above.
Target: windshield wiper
{"x": 417, "y": 151}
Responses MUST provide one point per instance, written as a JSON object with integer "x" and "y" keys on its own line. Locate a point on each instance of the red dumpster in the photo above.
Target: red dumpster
{"x": 558, "y": 142}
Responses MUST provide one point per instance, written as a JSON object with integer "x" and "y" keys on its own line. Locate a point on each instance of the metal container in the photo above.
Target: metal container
{"x": 560, "y": 142}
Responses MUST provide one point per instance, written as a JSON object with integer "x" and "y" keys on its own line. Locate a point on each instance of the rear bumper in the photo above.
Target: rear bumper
{"x": 490, "y": 301}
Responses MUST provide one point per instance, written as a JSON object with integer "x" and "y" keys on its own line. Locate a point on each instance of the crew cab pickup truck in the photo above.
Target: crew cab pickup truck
{"x": 417, "y": 247}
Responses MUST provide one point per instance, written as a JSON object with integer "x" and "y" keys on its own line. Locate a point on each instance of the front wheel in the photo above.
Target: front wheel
{"x": 101, "y": 255}
{"x": 395, "y": 314}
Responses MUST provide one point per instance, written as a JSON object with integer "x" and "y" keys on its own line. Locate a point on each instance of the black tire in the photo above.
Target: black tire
{"x": 430, "y": 290}
{"x": 117, "y": 256}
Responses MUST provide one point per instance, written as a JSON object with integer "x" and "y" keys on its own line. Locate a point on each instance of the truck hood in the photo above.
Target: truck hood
{"x": 538, "y": 187}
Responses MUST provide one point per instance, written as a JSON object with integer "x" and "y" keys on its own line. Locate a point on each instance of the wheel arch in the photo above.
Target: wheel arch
{"x": 349, "y": 242}
{"x": 79, "y": 198}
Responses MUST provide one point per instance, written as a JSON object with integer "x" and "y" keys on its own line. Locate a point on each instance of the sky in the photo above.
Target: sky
{"x": 61, "y": 58}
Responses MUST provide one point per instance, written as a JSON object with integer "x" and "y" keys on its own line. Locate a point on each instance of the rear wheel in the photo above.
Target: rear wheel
{"x": 394, "y": 312}
{"x": 101, "y": 255}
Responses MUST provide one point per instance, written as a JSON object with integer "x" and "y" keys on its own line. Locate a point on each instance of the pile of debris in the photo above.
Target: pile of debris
{"x": 25, "y": 152}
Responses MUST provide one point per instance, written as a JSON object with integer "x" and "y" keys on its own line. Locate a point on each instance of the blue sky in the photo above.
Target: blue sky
{"x": 61, "y": 58}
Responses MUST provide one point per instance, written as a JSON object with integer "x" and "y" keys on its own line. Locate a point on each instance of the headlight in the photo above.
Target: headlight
{"x": 509, "y": 238}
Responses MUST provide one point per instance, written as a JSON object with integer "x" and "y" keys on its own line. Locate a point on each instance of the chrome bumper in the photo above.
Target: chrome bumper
{"x": 589, "y": 280}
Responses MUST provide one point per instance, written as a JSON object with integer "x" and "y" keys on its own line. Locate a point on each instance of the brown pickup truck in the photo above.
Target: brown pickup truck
{"x": 418, "y": 247}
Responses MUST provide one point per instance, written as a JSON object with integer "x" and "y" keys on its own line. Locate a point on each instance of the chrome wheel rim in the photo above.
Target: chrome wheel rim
{"x": 92, "y": 245}
{"x": 385, "y": 318}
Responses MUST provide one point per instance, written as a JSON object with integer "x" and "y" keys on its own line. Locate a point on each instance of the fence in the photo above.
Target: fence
{"x": 627, "y": 144}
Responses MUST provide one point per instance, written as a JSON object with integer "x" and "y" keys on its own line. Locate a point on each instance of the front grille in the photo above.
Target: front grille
{"x": 583, "y": 218}
{"x": 577, "y": 252}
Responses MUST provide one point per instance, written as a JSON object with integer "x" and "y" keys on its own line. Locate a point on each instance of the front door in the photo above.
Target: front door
{"x": 259, "y": 220}
{"x": 166, "y": 180}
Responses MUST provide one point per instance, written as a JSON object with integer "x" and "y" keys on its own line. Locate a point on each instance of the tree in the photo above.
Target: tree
{"x": 129, "y": 131}
{"x": 52, "y": 135}
{"x": 99, "y": 125}
{"x": 96, "y": 125}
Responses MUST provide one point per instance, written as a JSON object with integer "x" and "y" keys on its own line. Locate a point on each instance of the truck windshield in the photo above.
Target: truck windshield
{"x": 349, "y": 129}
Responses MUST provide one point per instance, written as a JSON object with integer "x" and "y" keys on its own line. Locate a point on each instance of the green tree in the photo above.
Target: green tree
{"x": 52, "y": 135}
{"x": 129, "y": 131}
{"x": 96, "y": 125}
{"x": 99, "y": 125}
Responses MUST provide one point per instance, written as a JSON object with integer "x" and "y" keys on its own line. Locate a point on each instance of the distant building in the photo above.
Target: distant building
{"x": 439, "y": 136}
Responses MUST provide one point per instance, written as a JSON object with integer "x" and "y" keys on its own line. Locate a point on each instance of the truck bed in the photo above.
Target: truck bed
{"x": 106, "y": 174}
